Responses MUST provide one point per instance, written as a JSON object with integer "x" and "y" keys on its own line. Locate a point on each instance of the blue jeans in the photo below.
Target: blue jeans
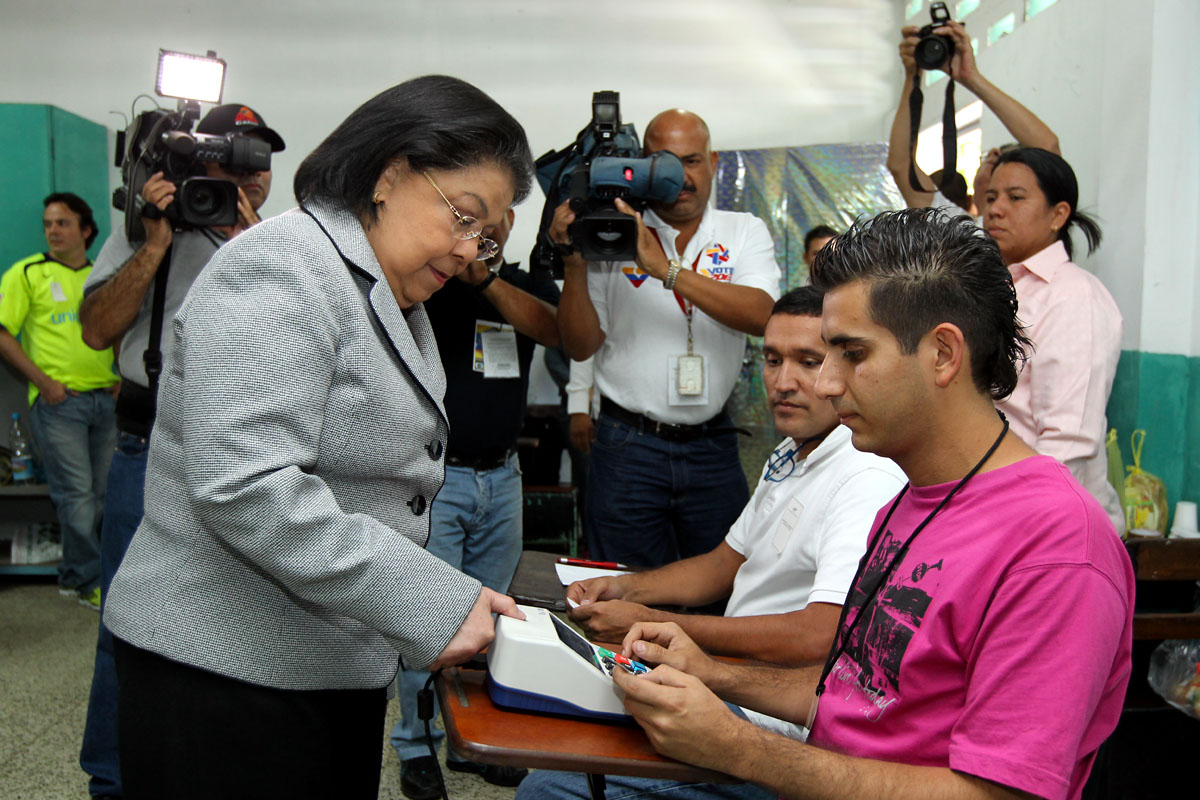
{"x": 76, "y": 438}
{"x": 126, "y": 493}
{"x": 474, "y": 526}
{"x": 562, "y": 785}
{"x": 651, "y": 501}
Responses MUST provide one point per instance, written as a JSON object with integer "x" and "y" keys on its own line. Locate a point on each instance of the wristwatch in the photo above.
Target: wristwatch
{"x": 486, "y": 282}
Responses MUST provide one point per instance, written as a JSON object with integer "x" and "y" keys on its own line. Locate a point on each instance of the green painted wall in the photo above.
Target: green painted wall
{"x": 48, "y": 150}
{"x": 1160, "y": 393}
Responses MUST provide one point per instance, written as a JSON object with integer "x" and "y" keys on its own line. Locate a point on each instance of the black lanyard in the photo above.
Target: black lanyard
{"x": 843, "y": 638}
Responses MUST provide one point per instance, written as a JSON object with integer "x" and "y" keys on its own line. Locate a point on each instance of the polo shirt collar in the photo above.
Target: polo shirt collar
{"x": 1046, "y": 262}
{"x": 838, "y": 438}
{"x": 654, "y": 222}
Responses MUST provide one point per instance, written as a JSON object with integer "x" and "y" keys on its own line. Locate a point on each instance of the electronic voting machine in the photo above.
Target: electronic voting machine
{"x": 541, "y": 664}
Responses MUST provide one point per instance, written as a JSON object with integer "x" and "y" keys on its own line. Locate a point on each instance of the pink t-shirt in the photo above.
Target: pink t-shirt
{"x": 1000, "y": 645}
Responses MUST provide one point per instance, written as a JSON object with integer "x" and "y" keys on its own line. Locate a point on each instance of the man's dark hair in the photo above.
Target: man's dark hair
{"x": 955, "y": 191}
{"x": 819, "y": 232}
{"x": 432, "y": 122}
{"x": 76, "y": 204}
{"x": 1057, "y": 181}
{"x": 923, "y": 267}
{"x": 803, "y": 301}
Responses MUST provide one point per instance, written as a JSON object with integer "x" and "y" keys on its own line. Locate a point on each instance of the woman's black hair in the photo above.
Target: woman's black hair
{"x": 1057, "y": 181}
{"x": 433, "y": 122}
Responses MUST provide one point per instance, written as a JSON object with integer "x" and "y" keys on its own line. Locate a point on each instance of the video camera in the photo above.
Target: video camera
{"x": 163, "y": 141}
{"x": 602, "y": 164}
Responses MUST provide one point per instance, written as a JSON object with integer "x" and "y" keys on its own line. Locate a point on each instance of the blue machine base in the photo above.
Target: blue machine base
{"x": 519, "y": 700}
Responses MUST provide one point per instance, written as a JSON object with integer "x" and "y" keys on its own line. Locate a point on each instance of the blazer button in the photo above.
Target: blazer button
{"x": 435, "y": 449}
{"x": 417, "y": 504}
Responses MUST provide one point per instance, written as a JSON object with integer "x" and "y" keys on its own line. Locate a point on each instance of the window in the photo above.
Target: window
{"x": 1035, "y": 7}
{"x": 1002, "y": 28}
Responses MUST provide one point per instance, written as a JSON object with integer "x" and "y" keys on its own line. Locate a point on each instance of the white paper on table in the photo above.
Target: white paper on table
{"x": 569, "y": 573}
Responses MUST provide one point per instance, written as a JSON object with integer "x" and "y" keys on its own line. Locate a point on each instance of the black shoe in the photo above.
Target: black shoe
{"x": 419, "y": 779}
{"x": 492, "y": 773}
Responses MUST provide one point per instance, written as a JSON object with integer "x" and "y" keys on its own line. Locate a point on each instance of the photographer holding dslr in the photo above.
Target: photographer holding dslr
{"x": 919, "y": 49}
{"x": 668, "y": 333}
{"x": 120, "y": 308}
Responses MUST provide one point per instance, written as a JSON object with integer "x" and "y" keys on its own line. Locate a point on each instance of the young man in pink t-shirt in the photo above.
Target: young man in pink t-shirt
{"x": 984, "y": 648}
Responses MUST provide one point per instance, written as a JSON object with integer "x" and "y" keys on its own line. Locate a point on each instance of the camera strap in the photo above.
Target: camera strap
{"x": 152, "y": 357}
{"x": 949, "y": 133}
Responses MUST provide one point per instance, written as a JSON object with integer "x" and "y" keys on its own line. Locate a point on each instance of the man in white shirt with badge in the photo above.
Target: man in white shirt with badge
{"x": 668, "y": 333}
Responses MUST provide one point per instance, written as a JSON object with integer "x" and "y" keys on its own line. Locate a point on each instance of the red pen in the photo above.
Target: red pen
{"x": 583, "y": 562}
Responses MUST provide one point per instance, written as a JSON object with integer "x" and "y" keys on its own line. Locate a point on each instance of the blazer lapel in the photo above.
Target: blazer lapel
{"x": 412, "y": 336}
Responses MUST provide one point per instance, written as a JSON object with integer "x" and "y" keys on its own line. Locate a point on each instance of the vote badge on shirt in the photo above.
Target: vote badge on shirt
{"x": 496, "y": 350}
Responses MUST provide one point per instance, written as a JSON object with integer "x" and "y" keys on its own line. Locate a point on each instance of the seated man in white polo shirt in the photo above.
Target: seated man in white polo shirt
{"x": 786, "y": 562}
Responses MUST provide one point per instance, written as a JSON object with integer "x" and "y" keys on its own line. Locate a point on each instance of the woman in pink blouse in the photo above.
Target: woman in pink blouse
{"x": 1058, "y": 407}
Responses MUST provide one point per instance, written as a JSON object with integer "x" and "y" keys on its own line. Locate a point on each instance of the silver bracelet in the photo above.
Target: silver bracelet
{"x": 672, "y": 274}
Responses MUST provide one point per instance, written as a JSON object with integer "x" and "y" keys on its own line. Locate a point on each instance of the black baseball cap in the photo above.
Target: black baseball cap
{"x": 235, "y": 118}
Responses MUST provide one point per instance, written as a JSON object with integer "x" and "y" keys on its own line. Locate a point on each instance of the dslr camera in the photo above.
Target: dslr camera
{"x": 934, "y": 49}
{"x": 163, "y": 141}
{"x": 603, "y": 164}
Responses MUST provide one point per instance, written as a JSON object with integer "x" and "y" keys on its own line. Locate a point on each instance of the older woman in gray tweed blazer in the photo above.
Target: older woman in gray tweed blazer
{"x": 279, "y": 572}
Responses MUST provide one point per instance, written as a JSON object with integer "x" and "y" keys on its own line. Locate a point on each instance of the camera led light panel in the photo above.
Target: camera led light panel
{"x": 190, "y": 77}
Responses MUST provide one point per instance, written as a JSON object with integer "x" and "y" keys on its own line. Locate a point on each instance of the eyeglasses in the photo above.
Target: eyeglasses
{"x": 467, "y": 227}
{"x": 778, "y": 463}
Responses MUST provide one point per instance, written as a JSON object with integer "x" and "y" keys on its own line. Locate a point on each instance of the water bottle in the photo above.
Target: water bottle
{"x": 564, "y": 469}
{"x": 22, "y": 459}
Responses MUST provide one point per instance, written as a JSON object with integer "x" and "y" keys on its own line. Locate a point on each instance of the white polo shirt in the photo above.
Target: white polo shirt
{"x": 645, "y": 326}
{"x": 802, "y": 537}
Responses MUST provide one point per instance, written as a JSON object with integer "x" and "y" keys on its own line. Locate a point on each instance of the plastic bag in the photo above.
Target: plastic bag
{"x": 1145, "y": 495}
{"x": 1175, "y": 674}
{"x": 1116, "y": 465}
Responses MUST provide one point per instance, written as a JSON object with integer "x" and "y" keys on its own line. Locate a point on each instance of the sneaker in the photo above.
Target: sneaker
{"x": 91, "y": 599}
{"x": 419, "y": 779}
{"x": 65, "y": 592}
{"x": 492, "y": 773}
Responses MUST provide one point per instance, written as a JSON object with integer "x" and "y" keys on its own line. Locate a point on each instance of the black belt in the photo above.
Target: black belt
{"x": 480, "y": 461}
{"x": 666, "y": 430}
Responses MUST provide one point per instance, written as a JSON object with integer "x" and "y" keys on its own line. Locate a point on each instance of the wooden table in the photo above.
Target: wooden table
{"x": 481, "y": 731}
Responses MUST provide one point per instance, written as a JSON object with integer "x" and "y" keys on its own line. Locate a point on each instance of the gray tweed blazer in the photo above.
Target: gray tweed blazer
{"x": 299, "y": 442}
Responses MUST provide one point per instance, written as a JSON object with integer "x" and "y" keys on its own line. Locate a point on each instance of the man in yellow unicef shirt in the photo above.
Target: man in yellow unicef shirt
{"x": 72, "y": 388}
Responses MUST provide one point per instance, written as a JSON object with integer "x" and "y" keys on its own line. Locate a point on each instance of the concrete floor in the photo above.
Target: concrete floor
{"x": 47, "y": 645}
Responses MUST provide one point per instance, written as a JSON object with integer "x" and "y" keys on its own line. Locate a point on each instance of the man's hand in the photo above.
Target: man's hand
{"x": 666, "y": 643}
{"x": 246, "y": 215}
{"x": 582, "y": 431}
{"x": 159, "y": 193}
{"x": 563, "y": 217}
{"x": 681, "y": 717}
{"x": 477, "y": 630}
{"x": 650, "y": 255}
{"x": 115, "y": 390}
{"x": 593, "y": 590}
{"x": 53, "y": 392}
{"x": 610, "y": 620}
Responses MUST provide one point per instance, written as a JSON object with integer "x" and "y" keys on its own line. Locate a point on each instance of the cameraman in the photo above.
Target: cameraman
{"x": 118, "y": 309}
{"x": 1026, "y": 128}
{"x": 665, "y": 480}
